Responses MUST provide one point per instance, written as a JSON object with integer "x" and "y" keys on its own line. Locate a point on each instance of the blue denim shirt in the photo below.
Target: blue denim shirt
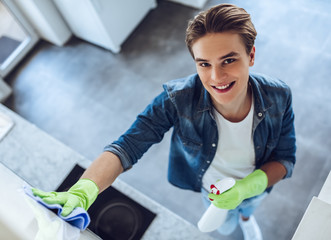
{"x": 186, "y": 106}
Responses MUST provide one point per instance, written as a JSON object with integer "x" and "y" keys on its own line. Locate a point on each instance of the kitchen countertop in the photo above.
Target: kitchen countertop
{"x": 43, "y": 162}
{"x": 315, "y": 223}
{"x": 325, "y": 193}
{"x": 21, "y": 218}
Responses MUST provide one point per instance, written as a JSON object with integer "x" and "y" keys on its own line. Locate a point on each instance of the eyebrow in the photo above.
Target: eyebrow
{"x": 230, "y": 54}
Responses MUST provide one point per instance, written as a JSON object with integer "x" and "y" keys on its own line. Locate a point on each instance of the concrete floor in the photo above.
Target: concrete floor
{"x": 86, "y": 97}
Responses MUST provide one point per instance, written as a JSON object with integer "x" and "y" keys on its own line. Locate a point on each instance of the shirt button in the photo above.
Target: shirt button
{"x": 213, "y": 145}
{"x": 260, "y": 114}
{"x": 203, "y": 170}
{"x": 208, "y": 161}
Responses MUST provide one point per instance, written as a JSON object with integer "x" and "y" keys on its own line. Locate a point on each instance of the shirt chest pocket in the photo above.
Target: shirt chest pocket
{"x": 189, "y": 142}
{"x": 192, "y": 133}
{"x": 188, "y": 136}
{"x": 271, "y": 144}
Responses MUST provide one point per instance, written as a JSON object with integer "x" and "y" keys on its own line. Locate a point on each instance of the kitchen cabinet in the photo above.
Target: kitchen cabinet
{"x": 106, "y": 23}
{"x": 45, "y": 20}
{"x": 5, "y": 90}
{"x": 191, "y": 3}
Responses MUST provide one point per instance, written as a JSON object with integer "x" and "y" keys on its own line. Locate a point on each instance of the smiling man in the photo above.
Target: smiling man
{"x": 222, "y": 65}
{"x": 227, "y": 122}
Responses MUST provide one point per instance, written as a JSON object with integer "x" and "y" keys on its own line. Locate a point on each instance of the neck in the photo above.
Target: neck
{"x": 238, "y": 110}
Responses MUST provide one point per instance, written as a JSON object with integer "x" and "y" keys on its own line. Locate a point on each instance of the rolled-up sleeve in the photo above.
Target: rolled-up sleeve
{"x": 121, "y": 154}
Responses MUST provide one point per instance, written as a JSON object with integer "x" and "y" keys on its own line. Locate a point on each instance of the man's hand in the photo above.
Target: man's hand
{"x": 82, "y": 194}
{"x": 250, "y": 186}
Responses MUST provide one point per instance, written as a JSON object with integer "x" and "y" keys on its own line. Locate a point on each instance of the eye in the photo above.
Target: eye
{"x": 204, "y": 64}
{"x": 229, "y": 60}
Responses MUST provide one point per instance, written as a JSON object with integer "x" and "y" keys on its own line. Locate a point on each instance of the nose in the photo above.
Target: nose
{"x": 218, "y": 74}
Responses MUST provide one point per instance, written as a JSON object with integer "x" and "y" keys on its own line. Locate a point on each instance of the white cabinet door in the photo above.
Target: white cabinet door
{"x": 106, "y": 23}
{"x": 26, "y": 38}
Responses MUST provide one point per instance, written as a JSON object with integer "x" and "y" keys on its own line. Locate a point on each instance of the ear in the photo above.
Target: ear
{"x": 252, "y": 57}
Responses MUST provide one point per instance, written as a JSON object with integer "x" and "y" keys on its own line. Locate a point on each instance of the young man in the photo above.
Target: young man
{"x": 226, "y": 123}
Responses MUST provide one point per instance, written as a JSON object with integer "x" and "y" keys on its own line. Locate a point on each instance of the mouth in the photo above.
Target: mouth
{"x": 224, "y": 88}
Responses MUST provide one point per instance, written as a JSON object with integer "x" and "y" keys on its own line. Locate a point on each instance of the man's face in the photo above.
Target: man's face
{"x": 223, "y": 67}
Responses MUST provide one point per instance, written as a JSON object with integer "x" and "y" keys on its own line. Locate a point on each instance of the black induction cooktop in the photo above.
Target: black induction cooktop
{"x": 114, "y": 216}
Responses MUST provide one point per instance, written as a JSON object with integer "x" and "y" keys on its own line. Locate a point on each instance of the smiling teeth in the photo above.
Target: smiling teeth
{"x": 223, "y": 87}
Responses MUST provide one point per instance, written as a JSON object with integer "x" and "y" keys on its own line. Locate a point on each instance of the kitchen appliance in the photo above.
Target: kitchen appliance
{"x": 114, "y": 216}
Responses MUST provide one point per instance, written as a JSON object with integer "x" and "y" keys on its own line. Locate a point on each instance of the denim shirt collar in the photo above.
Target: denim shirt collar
{"x": 204, "y": 103}
{"x": 262, "y": 102}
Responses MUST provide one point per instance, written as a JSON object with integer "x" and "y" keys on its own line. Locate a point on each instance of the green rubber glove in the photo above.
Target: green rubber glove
{"x": 250, "y": 186}
{"x": 82, "y": 194}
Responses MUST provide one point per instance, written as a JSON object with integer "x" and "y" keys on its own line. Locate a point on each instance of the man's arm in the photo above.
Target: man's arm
{"x": 275, "y": 172}
{"x": 104, "y": 170}
{"x": 99, "y": 176}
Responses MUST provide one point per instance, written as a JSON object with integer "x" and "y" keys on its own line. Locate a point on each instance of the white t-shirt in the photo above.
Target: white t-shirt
{"x": 235, "y": 155}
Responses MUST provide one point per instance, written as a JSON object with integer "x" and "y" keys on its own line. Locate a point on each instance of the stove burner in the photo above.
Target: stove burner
{"x": 119, "y": 220}
{"x": 114, "y": 216}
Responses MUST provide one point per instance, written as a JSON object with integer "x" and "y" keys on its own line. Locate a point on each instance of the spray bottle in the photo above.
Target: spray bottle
{"x": 214, "y": 217}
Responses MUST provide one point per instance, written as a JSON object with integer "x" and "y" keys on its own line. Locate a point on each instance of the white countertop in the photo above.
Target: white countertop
{"x": 325, "y": 193}
{"x": 316, "y": 222}
{"x": 43, "y": 162}
{"x": 23, "y": 218}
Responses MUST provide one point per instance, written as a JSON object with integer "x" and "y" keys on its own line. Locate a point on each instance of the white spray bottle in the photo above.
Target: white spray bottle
{"x": 214, "y": 217}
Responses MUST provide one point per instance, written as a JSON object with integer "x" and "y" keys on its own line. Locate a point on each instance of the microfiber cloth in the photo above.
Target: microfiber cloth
{"x": 78, "y": 217}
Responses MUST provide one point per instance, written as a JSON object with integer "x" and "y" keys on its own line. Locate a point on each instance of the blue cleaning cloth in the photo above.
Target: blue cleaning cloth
{"x": 78, "y": 217}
